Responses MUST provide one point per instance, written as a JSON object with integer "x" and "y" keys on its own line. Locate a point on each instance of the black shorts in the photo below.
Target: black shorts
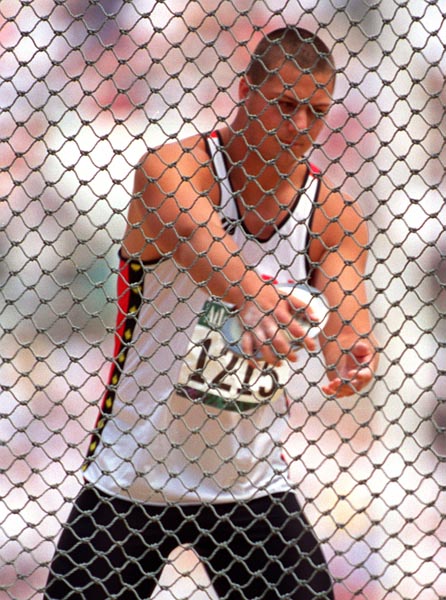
{"x": 113, "y": 548}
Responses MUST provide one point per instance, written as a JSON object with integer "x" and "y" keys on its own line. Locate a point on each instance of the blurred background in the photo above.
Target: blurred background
{"x": 85, "y": 87}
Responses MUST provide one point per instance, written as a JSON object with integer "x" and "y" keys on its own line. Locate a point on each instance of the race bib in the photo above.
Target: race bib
{"x": 215, "y": 372}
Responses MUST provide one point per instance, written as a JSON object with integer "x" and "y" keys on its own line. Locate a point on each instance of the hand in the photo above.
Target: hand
{"x": 265, "y": 332}
{"x": 353, "y": 370}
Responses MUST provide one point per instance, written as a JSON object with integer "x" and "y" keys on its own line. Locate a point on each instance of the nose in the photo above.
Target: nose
{"x": 301, "y": 120}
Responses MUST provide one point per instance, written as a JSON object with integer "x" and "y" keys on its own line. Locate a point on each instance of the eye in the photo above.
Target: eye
{"x": 318, "y": 112}
{"x": 287, "y": 107}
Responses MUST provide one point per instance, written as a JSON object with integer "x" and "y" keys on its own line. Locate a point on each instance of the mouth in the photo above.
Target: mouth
{"x": 292, "y": 143}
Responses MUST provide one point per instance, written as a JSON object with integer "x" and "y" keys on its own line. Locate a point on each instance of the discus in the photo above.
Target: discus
{"x": 314, "y": 300}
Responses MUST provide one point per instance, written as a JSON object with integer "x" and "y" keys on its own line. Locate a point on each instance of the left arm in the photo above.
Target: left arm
{"x": 348, "y": 343}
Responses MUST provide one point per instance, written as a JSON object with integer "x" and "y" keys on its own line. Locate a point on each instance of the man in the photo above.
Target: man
{"x": 187, "y": 447}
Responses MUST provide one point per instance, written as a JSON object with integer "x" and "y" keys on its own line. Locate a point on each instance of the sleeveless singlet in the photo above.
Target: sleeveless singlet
{"x": 159, "y": 440}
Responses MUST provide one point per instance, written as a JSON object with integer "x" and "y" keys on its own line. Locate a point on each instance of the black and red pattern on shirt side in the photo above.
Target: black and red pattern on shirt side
{"x": 129, "y": 288}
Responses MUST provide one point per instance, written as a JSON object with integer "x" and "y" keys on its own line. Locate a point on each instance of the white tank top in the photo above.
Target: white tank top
{"x": 160, "y": 440}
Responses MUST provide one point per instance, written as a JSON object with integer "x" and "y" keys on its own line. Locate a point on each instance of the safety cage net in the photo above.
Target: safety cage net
{"x": 129, "y": 133}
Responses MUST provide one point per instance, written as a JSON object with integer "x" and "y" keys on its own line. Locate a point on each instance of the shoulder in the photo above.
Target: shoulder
{"x": 175, "y": 174}
{"x": 171, "y": 180}
{"x": 189, "y": 154}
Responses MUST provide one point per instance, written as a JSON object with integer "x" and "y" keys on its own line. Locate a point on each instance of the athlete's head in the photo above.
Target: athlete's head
{"x": 302, "y": 48}
{"x": 285, "y": 93}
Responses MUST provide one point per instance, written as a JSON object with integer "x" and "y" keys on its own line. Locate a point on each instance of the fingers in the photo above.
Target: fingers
{"x": 353, "y": 370}
{"x": 304, "y": 309}
{"x": 275, "y": 336}
{"x": 269, "y": 343}
{"x": 362, "y": 353}
{"x": 298, "y": 337}
{"x": 352, "y": 383}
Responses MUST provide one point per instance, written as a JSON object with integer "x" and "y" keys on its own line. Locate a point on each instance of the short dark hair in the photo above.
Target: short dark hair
{"x": 300, "y": 46}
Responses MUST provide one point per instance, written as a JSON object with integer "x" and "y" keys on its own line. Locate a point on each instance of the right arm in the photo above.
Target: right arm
{"x": 172, "y": 213}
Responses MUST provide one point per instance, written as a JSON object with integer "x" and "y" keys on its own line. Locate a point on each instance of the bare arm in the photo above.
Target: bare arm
{"x": 348, "y": 342}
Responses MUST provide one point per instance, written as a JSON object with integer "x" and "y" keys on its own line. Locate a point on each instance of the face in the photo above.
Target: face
{"x": 286, "y": 113}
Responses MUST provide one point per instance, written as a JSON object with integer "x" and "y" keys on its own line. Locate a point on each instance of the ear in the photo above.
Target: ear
{"x": 243, "y": 88}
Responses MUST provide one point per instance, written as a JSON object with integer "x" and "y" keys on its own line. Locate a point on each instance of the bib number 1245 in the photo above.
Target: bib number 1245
{"x": 215, "y": 374}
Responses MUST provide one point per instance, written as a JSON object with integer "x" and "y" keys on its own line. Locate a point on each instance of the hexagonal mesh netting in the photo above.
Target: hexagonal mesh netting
{"x": 119, "y": 206}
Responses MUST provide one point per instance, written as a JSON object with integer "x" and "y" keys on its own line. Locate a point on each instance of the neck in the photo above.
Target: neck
{"x": 250, "y": 170}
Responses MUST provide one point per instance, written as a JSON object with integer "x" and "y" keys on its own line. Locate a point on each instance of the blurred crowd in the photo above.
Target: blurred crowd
{"x": 85, "y": 87}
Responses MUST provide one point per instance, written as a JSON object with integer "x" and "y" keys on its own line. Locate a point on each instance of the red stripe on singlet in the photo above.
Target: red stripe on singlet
{"x": 129, "y": 291}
